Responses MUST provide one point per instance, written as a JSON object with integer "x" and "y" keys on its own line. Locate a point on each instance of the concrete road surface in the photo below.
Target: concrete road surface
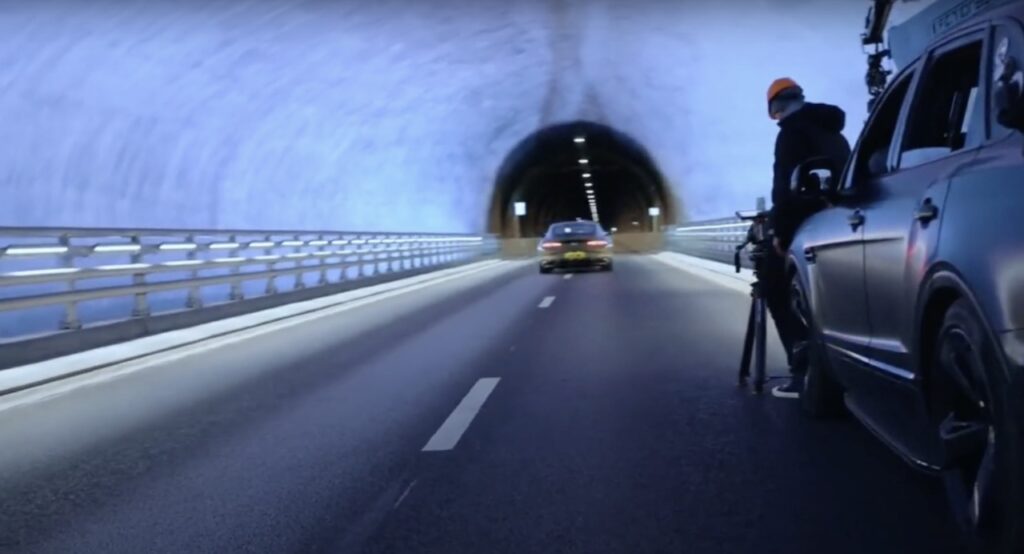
{"x": 504, "y": 412}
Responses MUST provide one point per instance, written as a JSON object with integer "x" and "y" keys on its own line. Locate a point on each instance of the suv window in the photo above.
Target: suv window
{"x": 1007, "y": 42}
{"x": 946, "y": 116}
{"x": 872, "y": 157}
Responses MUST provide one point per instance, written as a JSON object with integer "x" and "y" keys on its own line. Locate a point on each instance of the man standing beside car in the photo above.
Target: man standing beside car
{"x": 806, "y": 130}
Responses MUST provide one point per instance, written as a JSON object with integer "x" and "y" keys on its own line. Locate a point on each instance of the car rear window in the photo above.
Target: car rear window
{"x": 573, "y": 230}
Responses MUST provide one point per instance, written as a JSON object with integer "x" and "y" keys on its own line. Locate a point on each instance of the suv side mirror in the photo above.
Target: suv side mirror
{"x": 815, "y": 177}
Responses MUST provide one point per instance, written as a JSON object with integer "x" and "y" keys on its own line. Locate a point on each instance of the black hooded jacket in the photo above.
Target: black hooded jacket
{"x": 813, "y": 130}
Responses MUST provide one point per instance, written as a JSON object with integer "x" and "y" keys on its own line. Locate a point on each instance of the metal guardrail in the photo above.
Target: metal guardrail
{"x": 714, "y": 239}
{"x": 69, "y": 268}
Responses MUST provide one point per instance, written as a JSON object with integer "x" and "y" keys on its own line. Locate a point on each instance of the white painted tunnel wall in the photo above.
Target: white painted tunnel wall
{"x": 386, "y": 114}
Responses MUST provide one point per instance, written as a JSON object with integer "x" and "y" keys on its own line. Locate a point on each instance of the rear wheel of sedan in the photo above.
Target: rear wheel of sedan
{"x": 977, "y": 406}
{"x": 545, "y": 270}
{"x": 822, "y": 396}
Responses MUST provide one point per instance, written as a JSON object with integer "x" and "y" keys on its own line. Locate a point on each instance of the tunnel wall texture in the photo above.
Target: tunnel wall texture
{"x": 387, "y": 114}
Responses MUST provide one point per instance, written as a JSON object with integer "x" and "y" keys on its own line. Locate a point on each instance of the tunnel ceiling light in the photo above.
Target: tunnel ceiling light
{"x": 586, "y": 175}
{"x": 584, "y": 161}
{"x": 588, "y": 185}
{"x": 579, "y": 140}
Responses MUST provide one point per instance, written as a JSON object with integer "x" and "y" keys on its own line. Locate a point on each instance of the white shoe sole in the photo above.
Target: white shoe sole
{"x": 779, "y": 394}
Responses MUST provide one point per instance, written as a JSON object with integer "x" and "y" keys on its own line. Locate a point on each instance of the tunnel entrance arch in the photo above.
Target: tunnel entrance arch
{"x": 546, "y": 170}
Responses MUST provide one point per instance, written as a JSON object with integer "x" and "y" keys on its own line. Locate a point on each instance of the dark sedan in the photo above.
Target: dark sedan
{"x": 575, "y": 244}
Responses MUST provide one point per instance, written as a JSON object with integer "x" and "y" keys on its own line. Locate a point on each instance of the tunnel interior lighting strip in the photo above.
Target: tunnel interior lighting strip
{"x": 118, "y": 267}
{"x": 175, "y": 263}
{"x": 116, "y": 248}
{"x": 293, "y": 243}
{"x": 179, "y": 246}
{"x": 318, "y": 243}
{"x": 224, "y": 245}
{"x": 35, "y": 272}
{"x": 228, "y": 260}
{"x": 719, "y": 226}
{"x": 35, "y": 250}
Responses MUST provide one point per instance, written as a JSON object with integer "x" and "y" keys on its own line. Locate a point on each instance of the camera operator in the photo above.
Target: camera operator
{"x": 806, "y": 130}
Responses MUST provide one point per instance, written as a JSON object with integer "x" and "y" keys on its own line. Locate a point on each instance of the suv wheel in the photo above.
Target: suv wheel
{"x": 977, "y": 406}
{"x": 822, "y": 396}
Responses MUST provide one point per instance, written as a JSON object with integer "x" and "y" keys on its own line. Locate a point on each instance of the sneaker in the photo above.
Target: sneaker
{"x": 792, "y": 389}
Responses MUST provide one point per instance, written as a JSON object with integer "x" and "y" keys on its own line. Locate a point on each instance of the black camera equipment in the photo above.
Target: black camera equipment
{"x": 760, "y": 240}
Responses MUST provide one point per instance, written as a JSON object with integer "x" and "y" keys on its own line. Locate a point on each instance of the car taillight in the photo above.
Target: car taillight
{"x": 551, "y": 245}
{"x": 597, "y": 243}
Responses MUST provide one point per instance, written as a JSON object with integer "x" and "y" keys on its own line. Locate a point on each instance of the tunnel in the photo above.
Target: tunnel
{"x": 579, "y": 170}
{"x": 297, "y": 114}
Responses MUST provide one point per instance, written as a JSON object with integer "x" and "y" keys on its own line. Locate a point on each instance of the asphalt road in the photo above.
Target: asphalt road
{"x": 502, "y": 412}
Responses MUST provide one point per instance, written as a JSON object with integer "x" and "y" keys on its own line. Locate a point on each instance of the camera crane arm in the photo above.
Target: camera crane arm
{"x": 874, "y": 36}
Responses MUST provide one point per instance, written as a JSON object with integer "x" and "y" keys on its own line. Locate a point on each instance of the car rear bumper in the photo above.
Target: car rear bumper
{"x": 592, "y": 259}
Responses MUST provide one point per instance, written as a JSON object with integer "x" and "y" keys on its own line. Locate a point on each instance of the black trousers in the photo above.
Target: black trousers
{"x": 775, "y": 286}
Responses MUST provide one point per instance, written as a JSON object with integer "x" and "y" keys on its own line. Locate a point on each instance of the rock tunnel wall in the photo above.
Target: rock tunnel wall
{"x": 388, "y": 114}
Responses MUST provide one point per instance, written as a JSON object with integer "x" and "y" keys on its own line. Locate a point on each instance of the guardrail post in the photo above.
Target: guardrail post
{"x": 195, "y": 299}
{"x": 405, "y": 253}
{"x": 300, "y": 283}
{"x": 70, "y": 321}
{"x": 362, "y": 255}
{"x": 236, "y": 293}
{"x": 141, "y": 307}
{"x": 323, "y": 260}
{"x": 271, "y": 282}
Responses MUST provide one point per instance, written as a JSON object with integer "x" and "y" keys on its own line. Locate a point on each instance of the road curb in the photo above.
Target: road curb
{"x": 717, "y": 272}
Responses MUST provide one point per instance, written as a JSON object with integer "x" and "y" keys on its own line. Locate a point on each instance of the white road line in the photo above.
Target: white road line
{"x": 404, "y": 494}
{"x": 547, "y": 302}
{"x": 448, "y": 435}
{"x": 568, "y": 276}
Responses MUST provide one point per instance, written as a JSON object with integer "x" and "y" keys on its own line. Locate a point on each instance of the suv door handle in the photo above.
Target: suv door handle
{"x": 927, "y": 211}
{"x": 856, "y": 219}
{"x": 809, "y": 254}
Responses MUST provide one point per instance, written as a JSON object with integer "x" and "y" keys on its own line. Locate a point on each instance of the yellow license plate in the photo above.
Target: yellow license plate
{"x": 575, "y": 256}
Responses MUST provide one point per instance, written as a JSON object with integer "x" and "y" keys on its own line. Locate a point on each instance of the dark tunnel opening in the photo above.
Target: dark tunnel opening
{"x": 546, "y": 171}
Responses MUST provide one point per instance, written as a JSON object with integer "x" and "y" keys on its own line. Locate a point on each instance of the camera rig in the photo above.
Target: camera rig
{"x": 759, "y": 238}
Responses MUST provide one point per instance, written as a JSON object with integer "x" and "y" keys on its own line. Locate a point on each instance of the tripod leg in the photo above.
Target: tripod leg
{"x": 759, "y": 345}
{"x": 748, "y": 345}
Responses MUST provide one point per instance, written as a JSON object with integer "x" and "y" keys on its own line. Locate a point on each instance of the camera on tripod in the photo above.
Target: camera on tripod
{"x": 758, "y": 237}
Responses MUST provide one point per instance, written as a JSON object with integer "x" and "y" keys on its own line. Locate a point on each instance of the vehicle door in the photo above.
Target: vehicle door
{"x": 832, "y": 240}
{"x": 941, "y": 134}
{"x": 903, "y": 213}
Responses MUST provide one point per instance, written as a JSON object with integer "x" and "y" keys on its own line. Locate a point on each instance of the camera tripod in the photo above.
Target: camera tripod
{"x": 754, "y": 342}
